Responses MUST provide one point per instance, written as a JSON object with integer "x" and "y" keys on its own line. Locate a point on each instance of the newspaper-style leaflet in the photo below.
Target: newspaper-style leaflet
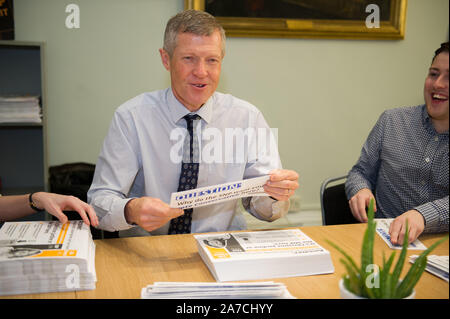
{"x": 43, "y": 240}
{"x": 262, "y": 255}
{"x": 214, "y": 290}
{"x": 219, "y": 193}
{"x": 249, "y": 244}
{"x": 382, "y": 229}
{"x": 45, "y": 256}
{"x": 437, "y": 265}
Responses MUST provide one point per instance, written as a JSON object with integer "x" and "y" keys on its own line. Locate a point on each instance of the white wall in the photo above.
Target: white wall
{"x": 322, "y": 95}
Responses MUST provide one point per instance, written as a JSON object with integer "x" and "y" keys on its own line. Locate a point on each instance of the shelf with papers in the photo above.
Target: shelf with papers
{"x": 23, "y": 165}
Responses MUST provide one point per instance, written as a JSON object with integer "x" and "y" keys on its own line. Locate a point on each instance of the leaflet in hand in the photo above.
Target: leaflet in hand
{"x": 383, "y": 225}
{"x": 219, "y": 193}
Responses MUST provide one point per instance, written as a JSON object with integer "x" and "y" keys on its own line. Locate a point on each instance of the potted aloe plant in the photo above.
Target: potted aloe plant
{"x": 364, "y": 282}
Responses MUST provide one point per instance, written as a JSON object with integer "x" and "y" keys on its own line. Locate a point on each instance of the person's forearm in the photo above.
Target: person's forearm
{"x": 13, "y": 207}
{"x": 355, "y": 182}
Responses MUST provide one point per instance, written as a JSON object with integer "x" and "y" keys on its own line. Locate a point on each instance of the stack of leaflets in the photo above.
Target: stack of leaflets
{"x": 20, "y": 109}
{"x": 437, "y": 265}
{"x": 262, "y": 255}
{"x": 208, "y": 290}
{"x": 46, "y": 256}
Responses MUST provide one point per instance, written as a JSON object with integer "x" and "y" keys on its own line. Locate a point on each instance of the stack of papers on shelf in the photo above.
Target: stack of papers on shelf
{"x": 262, "y": 255}
{"x": 437, "y": 265}
{"x": 206, "y": 290}
{"x": 20, "y": 109}
{"x": 46, "y": 256}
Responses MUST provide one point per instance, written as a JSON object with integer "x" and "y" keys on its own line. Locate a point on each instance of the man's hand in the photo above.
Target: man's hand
{"x": 282, "y": 184}
{"x": 416, "y": 225}
{"x": 150, "y": 213}
{"x": 359, "y": 203}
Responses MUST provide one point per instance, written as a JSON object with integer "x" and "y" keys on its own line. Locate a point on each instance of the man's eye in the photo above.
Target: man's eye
{"x": 433, "y": 74}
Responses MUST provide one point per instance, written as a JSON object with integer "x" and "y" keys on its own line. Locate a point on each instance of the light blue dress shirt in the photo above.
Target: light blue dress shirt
{"x": 137, "y": 159}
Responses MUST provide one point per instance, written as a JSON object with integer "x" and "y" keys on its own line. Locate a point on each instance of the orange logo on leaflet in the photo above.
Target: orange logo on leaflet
{"x": 57, "y": 253}
{"x": 218, "y": 253}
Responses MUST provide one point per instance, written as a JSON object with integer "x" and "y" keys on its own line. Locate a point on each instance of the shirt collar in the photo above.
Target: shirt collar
{"x": 178, "y": 110}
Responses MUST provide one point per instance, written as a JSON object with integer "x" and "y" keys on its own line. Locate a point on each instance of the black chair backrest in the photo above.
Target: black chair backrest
{"x": 336, "y": 208}
{"x": 71, "y": 179}
{"x": 75, "y": 179}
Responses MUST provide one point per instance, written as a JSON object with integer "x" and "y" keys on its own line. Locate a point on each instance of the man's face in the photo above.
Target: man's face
{"x": 194, "y": 68}
{"x": 436, "y": 88}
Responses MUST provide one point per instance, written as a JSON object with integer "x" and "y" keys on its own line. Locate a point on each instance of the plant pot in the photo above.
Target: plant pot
{"x": 347, "y": 294}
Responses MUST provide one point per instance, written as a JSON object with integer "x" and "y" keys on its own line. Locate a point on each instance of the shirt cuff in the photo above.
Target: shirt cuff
{"x": 352, "y": 188}
{"x": 267, "y": 208}
{"x": 118, "y": 220}
{"x": 430, "y": 216}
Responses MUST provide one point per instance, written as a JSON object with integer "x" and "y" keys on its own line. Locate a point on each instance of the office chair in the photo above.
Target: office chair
{"x": 75, "y": 179}
{"x": 334, "y": 203}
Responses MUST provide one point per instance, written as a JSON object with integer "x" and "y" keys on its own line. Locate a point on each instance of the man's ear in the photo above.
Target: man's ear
{"x": 165, "y": 58}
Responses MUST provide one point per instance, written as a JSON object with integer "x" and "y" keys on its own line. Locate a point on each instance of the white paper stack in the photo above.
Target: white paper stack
{"x": 437, "y": 265}
{"x": 46, "y": 256}
{"x": 213, "y": 290}
{"x": 262, "y": 255}
{"x": 20, "y": 109}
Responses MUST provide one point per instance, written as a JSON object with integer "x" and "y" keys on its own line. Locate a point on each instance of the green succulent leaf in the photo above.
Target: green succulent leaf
{"x": 415, "y": 272}
{"x": 390, "y": 284}
{"x": 401, "y": 261}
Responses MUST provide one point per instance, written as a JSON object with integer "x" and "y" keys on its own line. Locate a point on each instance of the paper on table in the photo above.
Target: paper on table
{"x": 437, "y": 265}
{"x": 206, "y": 290}
{"x": 219, "y": 193}
{"x": 383, "y": 230}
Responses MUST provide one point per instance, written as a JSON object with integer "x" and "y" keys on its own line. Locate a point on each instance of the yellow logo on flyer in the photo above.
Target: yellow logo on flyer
{"x": 218, "y": 253}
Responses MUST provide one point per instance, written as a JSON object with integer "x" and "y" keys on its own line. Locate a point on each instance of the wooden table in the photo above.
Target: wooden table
{"x": 126, "y": 265}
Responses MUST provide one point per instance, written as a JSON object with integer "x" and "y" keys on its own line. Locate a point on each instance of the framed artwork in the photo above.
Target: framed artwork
{"x": 332, "y": 19}
{"x": 6, "y": 20}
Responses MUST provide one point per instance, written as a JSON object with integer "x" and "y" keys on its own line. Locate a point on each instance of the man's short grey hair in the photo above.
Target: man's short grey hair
{"x": 191, "y": 21}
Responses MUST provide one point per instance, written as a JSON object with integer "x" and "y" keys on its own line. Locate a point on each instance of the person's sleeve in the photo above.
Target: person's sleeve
{"x": 263, "y": 157}
{"x": 364, "y": 173}
{"x": 435, "y": 214}
{"x": 115, "y": 171}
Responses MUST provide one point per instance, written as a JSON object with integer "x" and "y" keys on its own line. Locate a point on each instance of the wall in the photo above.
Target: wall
{"x": 323, "y": 95}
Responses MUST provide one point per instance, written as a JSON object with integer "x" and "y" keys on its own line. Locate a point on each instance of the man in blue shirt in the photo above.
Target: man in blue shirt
{"x": 138, "y": 167}
{"x": 405, "y": 161}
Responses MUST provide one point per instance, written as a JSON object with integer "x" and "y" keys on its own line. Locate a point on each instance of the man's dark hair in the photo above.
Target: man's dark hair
{"x": 443, "y": 48}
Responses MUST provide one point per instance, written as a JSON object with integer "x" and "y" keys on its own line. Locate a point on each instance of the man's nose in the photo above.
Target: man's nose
{"x": 200, "y": 69}
{"x": 441, "y": 82}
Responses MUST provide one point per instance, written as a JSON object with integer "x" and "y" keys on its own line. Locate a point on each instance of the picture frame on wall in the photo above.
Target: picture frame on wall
{"x": 332, "y": 19}
{"x": 6, "y": 20}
